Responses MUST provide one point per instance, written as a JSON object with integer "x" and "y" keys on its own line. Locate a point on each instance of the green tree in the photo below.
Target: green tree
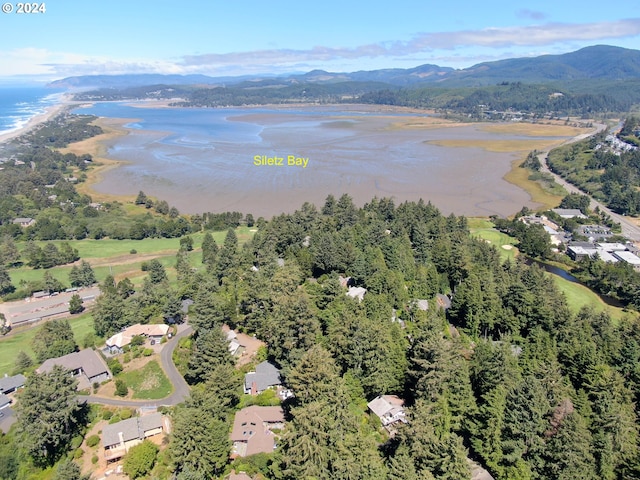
{"x": 121, "y": 388}
{"x": 23, "y": 363}
{"x": 209, "y": 250}
{"x": 82, "y": 276}
{"x": 75, "y": 304}
{"x": 49, "y": 415}
{"x": 140, "y": 459}
{"x": 110, "y": 313}
{"x": 69, "y": 470}
{"x": 211, "y": 350}
{"x": 54, "y": 339}
{"x": 5, "y": 281}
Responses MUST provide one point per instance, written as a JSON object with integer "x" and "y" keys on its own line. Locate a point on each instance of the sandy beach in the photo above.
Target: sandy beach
{"x": 50, "y": 112}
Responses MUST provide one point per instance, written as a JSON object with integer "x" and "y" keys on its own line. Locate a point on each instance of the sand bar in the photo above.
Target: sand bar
{"x": 403, "y": 155}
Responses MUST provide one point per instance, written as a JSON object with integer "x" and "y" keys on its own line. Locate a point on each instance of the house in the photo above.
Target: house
{"x": 154, "y": 333}
{"x": 569, "y": 212}
{"x": 4, "y": 401}
{"x": 266, "y": 376}
{"x": 87, "y": 365}
{"x": 119, "y": 437}
{"x": 356, "y": 292}
{"x": 235, "y": 345}
{"x": 253, "y": 430}
{"x": 388, "y": 408}
{"x": 11, "y": 384}
{"x": 24, "y": 221}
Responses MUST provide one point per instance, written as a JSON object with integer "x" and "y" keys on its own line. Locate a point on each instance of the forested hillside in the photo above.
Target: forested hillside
{"x": 508, "y": 375}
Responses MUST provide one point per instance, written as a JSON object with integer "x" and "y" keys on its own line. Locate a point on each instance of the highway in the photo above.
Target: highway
{"x": 629, "y": 229}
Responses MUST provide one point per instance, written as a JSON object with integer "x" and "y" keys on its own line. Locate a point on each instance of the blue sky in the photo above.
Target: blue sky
{"x": 82, "y": 37}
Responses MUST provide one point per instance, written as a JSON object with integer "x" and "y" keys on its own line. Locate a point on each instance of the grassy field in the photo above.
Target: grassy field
{"x": 579, "y": 296}
{"x": 106, "y": 257}
{"x": 114, "y": 257}
{"x": 148, "y": 383}
{"x": 505, "y": 244}
{"x": 12, "y": 344}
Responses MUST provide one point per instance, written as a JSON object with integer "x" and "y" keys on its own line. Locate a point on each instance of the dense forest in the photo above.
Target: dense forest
{"x": 536, "y": 99}
{"x": 507, "y": 376}
{"x": 605, "y": 166}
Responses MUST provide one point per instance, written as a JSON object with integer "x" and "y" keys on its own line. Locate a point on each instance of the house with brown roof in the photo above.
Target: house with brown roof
{"x": 253, "y": 430}
{"x": 86, "y": 365}
{"x": 119, "y": 437}
{"x": 117, "y": 342}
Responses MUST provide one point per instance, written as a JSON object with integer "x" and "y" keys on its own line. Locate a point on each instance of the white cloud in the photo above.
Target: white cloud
{"x": 498, "y": 37}
{"x": 436, "y": 47}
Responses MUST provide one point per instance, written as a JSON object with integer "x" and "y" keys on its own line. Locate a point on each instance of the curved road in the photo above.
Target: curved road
{"x": 629, "y": 228}
{"x": 180, "y": 387}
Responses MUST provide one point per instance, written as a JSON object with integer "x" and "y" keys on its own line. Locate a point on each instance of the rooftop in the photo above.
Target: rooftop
{"x": 131, "y": 429}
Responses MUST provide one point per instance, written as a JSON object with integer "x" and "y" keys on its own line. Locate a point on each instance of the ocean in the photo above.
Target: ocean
{"x": 19, "y": 104}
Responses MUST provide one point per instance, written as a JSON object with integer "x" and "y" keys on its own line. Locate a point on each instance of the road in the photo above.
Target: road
{"x": 629, "y": 228}
{"x": 180, "y": 387}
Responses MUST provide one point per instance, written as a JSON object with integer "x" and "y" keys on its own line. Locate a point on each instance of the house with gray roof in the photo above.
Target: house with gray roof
{"x": 266, "y": 376}
{"x": 4, "y": 401}
{"x": 119, "y": 437}
{"x": 11, "y": 384}
{"x": 86, "y": 365}
{"x": 389, "y": 409}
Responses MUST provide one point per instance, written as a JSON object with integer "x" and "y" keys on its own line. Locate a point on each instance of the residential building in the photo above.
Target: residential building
{"x": 569, "y": 212}
{"x": 629, "y": 257}
{"x": 87, "y": 365}
{"x": 389, "y": 409}
{"x": 11, "y": 384}
{"x": 4, "y": 401}
{"x": 265, "y": 376}
{"x": 24, "y": 221}
{"x": 154, "y": 333}
{"x": 119, "y": 437}
{"x": 253, "y": 430}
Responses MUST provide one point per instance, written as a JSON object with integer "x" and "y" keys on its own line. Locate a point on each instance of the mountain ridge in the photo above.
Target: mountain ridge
{"x": 593, "y": 62}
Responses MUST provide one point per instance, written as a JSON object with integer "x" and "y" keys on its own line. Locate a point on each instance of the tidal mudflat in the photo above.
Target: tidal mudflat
{"x": 268, "y": 161}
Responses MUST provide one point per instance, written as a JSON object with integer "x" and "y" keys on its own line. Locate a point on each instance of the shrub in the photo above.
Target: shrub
{"x": 121, "y": 388}
{"x": 114, "y": 365}
{"x": 94, "y": 459}
{"x": 147, "y": 352}
{"x": 107, "y": 414}
{"x": 140, "y": 459}
{"x": 78, "y": 454}
{"x": 93, "y": 440}
{"x": 126, "y": 413}
{"x": 133, "y": 251}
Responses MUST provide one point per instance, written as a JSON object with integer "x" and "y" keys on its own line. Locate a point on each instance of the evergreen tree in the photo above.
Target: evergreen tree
{"x": 48, "y": 415}
{"x": 54, "y": 339}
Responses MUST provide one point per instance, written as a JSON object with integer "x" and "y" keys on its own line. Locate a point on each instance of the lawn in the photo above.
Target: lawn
{"x": 503, "y": 242}
{"x": 11, "y": 344}
{"x": 148, "y": 382}
{"x": 579, "y": 296}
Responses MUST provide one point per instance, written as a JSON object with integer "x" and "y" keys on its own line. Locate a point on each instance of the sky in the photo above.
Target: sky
{"x": 87, "y": 37}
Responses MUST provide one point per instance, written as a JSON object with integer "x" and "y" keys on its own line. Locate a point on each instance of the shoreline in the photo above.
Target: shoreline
{"x": 50, "y": 112}
{"x": 415, "y": 120}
